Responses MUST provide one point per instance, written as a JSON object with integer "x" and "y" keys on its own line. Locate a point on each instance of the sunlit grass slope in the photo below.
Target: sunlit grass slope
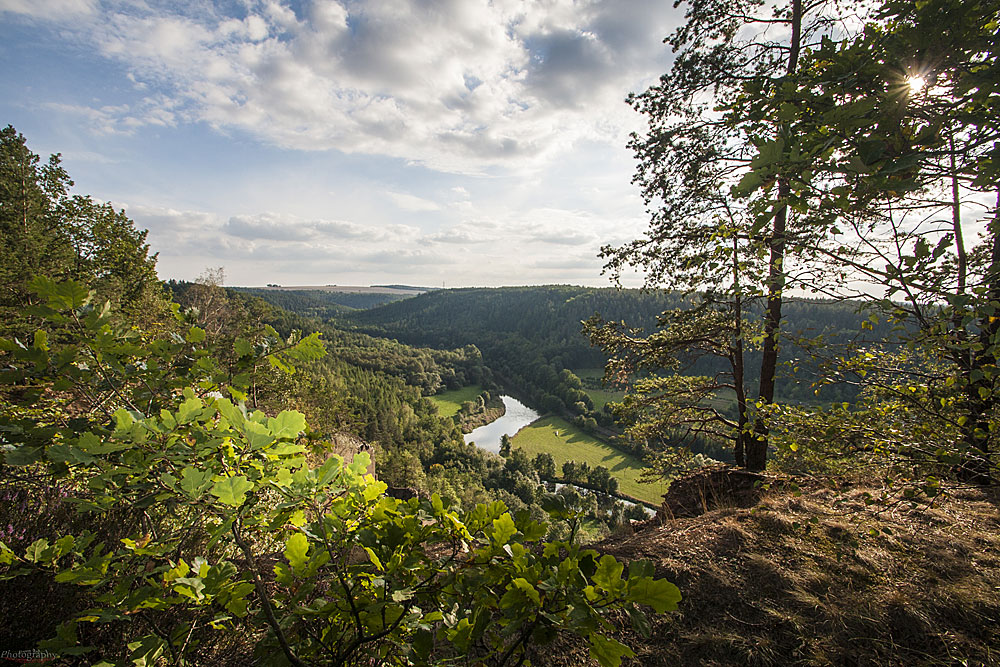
{"x": 568, "y": 443}
{"x": 450, "y": 402}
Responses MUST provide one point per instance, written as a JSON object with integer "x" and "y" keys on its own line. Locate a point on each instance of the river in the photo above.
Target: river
{"x": 517, "y": 416}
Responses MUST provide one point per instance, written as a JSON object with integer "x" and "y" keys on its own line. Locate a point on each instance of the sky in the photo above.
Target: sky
{"x": 352, "y": 142}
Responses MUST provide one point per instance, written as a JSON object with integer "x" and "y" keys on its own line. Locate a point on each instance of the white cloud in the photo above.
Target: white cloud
{"x": 574, "y": 265}
{"x": 564, "y": 237}
{"x": 514, "y": 105}
{"x": 408, "y": 202}
{"x": 47, "y": 9}
{"x": 258, "y": 246}
{"x": 90, "y": 157}
{"x": 462, "y": 234}
{"x": 282, "y": 227}
{"x": 158, "y": 111}
{"x": 268, "y": 247}
{"x": 457, "y": 85}
{"x": 173, "y": 231}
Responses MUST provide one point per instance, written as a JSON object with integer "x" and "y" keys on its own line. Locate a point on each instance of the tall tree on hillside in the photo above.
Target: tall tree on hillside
{"x": 681, "y": 406}
{"x": 951, "y": 49}
{"x": 901, "y": 123}
{"x": 702, "y": 155}
{"x": 32, "y": 241}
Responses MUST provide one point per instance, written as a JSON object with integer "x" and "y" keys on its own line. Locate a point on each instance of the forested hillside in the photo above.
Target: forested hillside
{"x": 323, "y": 303}
{"x": 533, "y": 337}
{"x": 550, "y": 319}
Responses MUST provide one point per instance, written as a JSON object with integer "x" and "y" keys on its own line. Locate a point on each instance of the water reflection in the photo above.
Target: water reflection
{"x": 517, "y": 416}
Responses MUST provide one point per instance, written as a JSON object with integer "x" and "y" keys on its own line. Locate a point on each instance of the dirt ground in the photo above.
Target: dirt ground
{"x": 818, "y": 577}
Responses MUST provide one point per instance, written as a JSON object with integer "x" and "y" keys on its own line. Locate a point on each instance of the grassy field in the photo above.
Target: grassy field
{"x": 724, "y": 402}
{"x": 568, "y": 443}
{"x": 598, "y": 396}
{"x": 449, "y": 403}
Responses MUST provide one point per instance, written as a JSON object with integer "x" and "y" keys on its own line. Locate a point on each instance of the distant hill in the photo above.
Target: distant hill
{"x": 327, "y": 302}
{"x": 409, "y": 288}
{"x": 346, "y": 289}
{"x": 531, "y": 334}
{"x": 549, "y": 316}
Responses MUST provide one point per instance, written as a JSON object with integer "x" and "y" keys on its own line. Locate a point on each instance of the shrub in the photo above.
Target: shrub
{"x": 237, "y": 528}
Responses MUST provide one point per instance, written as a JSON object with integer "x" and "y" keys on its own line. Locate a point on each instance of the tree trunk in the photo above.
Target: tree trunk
{"x": 756, "y": 458}
{"x": 757, "y": 445}
{"x": 740, "y": 446}
{"x": 956, "y": 221}
{"x": 980, "y": 385}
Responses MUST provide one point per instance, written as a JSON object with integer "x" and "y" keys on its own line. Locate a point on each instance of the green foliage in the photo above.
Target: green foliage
{"x": 804, "y": 158}
{"x": 44, "y": 230}
{"x": 323, "y": 303}
{"x": 667, "y": 405}
{"x": 876, "y": 160}
{"x": 531, "y": 336}
{"x": 162, "y": 434}
{"x": 450, "y": 402}
{"x": 533, "y": 350}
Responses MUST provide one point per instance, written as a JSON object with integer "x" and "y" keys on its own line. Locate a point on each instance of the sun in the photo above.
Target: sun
{"x": 916, "y": 83}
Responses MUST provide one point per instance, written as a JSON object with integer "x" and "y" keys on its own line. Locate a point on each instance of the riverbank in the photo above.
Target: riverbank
{"x": 470, "y": 407}
{"x": 559, "y": 480}
{"x": 516, "y": 416}
{"x": 488, "y": 408}
{"x": 536, "y": 434}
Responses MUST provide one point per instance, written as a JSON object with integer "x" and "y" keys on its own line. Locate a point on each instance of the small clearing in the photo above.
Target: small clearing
{"x": 591, "y": 378}
{"x": 450, "y": 402}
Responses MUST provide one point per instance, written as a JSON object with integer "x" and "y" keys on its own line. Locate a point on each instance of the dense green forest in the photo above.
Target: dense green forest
{"x": 533, "y": 338}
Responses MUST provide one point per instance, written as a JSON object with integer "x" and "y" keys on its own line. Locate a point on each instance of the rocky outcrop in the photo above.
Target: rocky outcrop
{"x": 709, "y": 488}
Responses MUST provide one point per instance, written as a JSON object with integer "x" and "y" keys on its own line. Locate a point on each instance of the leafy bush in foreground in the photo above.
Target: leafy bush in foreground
{"x": 198, "y": 519}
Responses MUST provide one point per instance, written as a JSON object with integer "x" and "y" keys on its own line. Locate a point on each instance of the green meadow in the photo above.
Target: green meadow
{"x": 449, "y": 403}
{"x": 598, "y": 396}
{"x": 568, "y": 443}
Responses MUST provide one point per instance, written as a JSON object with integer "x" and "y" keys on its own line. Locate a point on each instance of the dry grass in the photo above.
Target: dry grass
{"x": 764, "y": 585}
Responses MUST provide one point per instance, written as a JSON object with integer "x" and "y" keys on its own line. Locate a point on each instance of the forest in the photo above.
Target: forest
{"x": 322, "y": 304}
{"x": 531, "y": 338}
{"x": 194, "y": 474}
